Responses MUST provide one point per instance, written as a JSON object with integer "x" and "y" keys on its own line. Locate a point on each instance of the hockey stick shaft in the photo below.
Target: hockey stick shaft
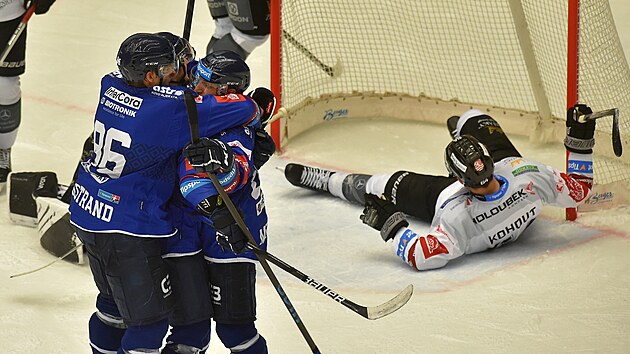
{"x": 190, "y": 9}
{"x": 194, "y": 133}
{"x": 616, "y": 134}
{"x": 18, "y": 31}
{"x": 326, "y": 68}
{"x": 51, "y": 263}
{"x": 370, "y": 313}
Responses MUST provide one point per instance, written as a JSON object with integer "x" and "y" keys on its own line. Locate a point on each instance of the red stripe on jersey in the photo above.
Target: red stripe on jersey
{"x": 232, "y": 97}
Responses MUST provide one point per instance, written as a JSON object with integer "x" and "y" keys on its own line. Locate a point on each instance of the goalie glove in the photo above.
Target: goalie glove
{"x": 383, "y": 216}
{"x": 579, "y": 135}
{"x": 209, "y": 155}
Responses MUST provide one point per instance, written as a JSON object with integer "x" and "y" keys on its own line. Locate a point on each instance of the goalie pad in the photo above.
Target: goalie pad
{"x": 57, "y": 235}
{"x": 23, "y": 188}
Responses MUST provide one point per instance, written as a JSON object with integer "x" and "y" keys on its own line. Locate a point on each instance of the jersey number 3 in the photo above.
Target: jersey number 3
{"x": 109, "y": 162}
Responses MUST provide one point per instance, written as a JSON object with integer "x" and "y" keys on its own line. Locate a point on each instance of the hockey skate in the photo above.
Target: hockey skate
{"x": 308, "y": 177}
{"x": 5, "y": 167}
{"x": 451, "y": 124}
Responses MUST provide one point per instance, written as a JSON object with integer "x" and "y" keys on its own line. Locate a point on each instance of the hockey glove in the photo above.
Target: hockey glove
{"x": 266, "y": 101}
{"x": 264, "y": 147}
{"x": 579, "y": 135}
{"x": 383, "y": 216}
{"x": 228, "y": 233}
{"x": 41, "y": 6}
{"x": 209, "y": 155}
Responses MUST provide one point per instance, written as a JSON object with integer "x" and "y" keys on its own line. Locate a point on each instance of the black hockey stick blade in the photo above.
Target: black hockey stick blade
{"x": 616, "y": 135}
{"x": 369, "y": 312}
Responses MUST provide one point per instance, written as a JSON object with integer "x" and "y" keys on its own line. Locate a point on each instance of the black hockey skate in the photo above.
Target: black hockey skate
{"x": 451, "y": 124}
{"x": 307, "y": 177}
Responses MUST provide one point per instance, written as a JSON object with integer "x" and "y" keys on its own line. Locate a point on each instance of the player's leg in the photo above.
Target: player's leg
{"x": 10, "y": 95}
{"x": 487, "y": 130}
{"x": 234, "y": 302}
{"x": 190, "y": 319}
{"x": 222, "y": 23}
{"x": 139, "y": 283}
{"x": 347, "y": 186}
{"x": 250, "y": 26}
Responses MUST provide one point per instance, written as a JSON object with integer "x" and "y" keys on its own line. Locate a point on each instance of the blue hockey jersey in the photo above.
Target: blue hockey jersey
{"x": 138, "y": 134}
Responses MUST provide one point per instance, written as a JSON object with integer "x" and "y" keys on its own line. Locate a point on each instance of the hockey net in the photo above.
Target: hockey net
{"x": 427, "y": 60}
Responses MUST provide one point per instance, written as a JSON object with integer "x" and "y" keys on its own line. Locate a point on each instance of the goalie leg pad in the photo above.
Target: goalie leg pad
{"x": 23, "y": 188}
{"x": 57, "y": 235}
{"x": 233, "y": 292}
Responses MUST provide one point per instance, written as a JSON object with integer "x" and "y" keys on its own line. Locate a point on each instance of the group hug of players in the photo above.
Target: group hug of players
{"x": 165, "y": 252}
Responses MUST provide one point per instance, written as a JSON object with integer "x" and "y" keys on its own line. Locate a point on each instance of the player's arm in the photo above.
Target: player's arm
{"x": 422, "y": 252}
{"x": 219, "y": 113}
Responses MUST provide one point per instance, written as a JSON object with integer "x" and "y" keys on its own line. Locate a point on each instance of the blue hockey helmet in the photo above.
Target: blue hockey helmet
{"x": 226, "y": 69}
{"x": 185, "y": 52}
{"x": 144, "y": 52}
{"x": 469, "y": 160}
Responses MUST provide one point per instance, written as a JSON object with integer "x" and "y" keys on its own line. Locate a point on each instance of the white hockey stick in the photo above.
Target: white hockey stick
{"x": 616, "y": 135}
{"x": 51, "y": 263}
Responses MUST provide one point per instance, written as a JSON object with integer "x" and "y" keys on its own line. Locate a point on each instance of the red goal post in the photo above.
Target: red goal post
{"x": 522, "y": 61}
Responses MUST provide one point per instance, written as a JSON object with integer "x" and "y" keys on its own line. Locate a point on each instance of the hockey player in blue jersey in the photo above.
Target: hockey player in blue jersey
{"x": 230, "y": 267}
{"x": 119, "y": 202}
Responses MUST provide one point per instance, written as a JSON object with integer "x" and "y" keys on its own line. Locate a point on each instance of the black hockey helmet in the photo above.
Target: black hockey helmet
{"x": 469, "y": 160}
{"x": 185, "y": 52}
{"x": 144, "y": 52}
{"x": 226, "y": 69}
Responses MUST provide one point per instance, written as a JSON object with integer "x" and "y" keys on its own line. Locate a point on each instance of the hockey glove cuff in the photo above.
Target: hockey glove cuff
{"x": 382, "y": 215}
{"x": 264, "y": 148}
{"x": 266, "y": 101}
{"x": 229, "y": 235}
{"x": 579, "y": 136}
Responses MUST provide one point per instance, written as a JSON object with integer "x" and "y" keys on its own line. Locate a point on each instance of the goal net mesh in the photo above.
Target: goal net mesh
{"x": 427, "y": 60}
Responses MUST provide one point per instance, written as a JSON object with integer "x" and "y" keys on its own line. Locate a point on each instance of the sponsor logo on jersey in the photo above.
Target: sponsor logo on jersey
{"x": 123, "y": 98}
{"x": 166, "y": 91}
{"x": 516, "y": 162}
{"x": 330, "y": 114}
{"x": 577, "y": 166}
{"x": 431, "y": 246}
{"x": 512, "y": 230}
{"x": 524, "y": 169}
{"x": 503, "y": 187}
{"x": 576, "y": 190}
{"x": 405, "y": 238}
{"x": 231, "y": 97}
{"x": 187, "y": 187}
{"x": 115, "y": 109}
{"x": 92, "y": 206}
{"x": 110, "y": 197}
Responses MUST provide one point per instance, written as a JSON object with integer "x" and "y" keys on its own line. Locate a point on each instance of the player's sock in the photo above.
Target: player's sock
{"x": 451, "y": 124}
{"x": 308, "y": 177}
{"x": 348, "y": 186}
{"x": 243, "y": 338}
{"x": 5, "y": 166}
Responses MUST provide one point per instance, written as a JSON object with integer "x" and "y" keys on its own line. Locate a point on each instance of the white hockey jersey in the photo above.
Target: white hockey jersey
{"x": 464, "y": 223}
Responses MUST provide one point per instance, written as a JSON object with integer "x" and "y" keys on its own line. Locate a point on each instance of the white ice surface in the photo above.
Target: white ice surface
{"x": 563, "y": 287}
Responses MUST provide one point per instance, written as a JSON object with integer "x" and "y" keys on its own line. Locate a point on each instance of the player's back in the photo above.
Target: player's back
{"x": 125, "y": 185}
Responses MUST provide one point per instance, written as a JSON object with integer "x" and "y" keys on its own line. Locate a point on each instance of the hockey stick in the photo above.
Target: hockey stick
{"x": 332, "y": 71}
{"x": 193, "y": 121}
{"x": 616, "y": 135}
{"x": 371, "y": 312}
{"x": 51, "y": 263}
{"x": 190, "y": 7}
{"x": 18, "y": 31}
